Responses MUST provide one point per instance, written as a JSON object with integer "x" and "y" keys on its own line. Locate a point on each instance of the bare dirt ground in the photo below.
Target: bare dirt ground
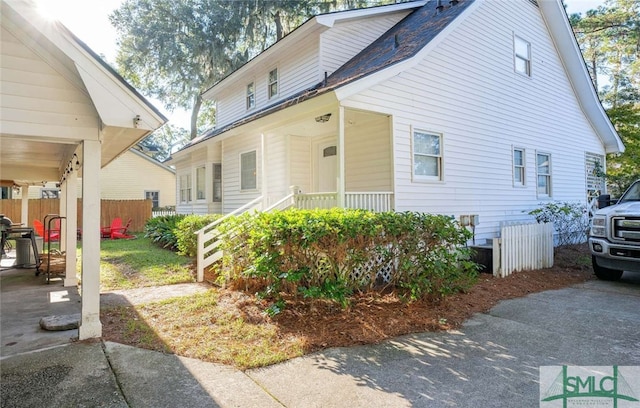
{"x": 373, "y": 318}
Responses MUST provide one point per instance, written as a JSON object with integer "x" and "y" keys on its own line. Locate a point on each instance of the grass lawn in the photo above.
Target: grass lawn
{"x": 135, "y": 263}
{"x": 211, "y": 326}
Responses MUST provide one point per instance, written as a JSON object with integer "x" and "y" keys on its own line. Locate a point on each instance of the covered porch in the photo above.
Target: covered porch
{"x": 65, "y": 114}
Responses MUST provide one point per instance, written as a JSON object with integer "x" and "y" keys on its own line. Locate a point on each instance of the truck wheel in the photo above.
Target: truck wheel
{"x": 605, "y": 273}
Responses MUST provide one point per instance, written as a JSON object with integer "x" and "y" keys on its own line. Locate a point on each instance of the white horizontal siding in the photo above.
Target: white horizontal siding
{"x": 276, "y": 168}
{"x": 367, "y": 153}
{"x": 233, "y": 197}
{"x": 300, "y": 162}
{"x": 347, "y": 38}
{"x": 467, "y": 90}
{"x": 35, "y": 93}
{"x": 297, "y": 71}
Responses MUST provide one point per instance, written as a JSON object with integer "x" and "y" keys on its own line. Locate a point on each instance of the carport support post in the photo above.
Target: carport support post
{"x": 90, "y": 325}
{"x": 71, "y": 212}
{"x": 24, "y": 215}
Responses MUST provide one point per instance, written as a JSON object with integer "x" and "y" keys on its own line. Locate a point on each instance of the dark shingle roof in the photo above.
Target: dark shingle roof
{"x": 401, "y": 42}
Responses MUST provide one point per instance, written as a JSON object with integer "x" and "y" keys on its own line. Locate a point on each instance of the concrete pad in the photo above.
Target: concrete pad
{"x": 76, "y": 375}
{"x": 492, "y": 361}
{"x": 150, "y": 294}
{"x": 26, "y": 299}
{"x": 153, "y": 379}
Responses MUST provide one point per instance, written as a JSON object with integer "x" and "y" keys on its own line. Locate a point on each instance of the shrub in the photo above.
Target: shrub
{"x": 161, "y": 230}
{"x": 570, "y": 221}
{"x": 187, "y": 240}
{"x": 333, "y": 253}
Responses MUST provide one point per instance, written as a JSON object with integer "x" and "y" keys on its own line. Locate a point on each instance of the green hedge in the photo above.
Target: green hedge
{"x": 161, "y": 230}
{"x": 187, "y": 240}
{"x": 331, "y": 253}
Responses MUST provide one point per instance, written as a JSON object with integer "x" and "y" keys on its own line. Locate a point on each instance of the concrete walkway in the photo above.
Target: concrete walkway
{"x": 493, "y": 361}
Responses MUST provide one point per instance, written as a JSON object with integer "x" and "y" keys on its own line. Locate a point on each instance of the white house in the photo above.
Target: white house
{"x": 463, "y": 107}
{"x": 153, "y": 181}
{"x": 64, "y": 112}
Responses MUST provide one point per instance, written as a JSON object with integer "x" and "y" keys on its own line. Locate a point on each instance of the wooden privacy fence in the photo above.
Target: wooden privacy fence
{"x": 138, "y": 210}
{"x": 522, "y": 247}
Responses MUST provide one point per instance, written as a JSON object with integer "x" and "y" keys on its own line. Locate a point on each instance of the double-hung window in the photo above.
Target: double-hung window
{"x": 185, "y": 188}
{"x": 522, "y": 56}
{"x": 273, "y": 83}
{"x": 251, "y": 96}
{"x": 201, "y": 193}
{"x": 518, "y": 167}
{"x": 154, "y": 196}
{"x": 427, "y": 155}
{"x": 248, "y": 171}
{"x": 543, "y": 167}
{"x": 217, "y": 182}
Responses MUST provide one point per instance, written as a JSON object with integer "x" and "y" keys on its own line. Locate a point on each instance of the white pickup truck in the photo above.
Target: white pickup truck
{"x": 614, "y": 238}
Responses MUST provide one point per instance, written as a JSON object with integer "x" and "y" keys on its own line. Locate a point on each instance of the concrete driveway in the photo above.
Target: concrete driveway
{"x": 492, "y": 361}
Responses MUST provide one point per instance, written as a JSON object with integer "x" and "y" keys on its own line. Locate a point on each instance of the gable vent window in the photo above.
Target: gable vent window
{"x": 522, "y": 56}
{"x": 329, "y": 151}
{"x": 251, "y": 96}
{"x": 273, "y": 83}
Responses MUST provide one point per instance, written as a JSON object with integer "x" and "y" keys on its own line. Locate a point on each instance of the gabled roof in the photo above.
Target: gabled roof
{"x": 317, "y": 23}
{"x": 407, "y": 41}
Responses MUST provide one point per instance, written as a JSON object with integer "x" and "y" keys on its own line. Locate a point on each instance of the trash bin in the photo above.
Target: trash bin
{"x": 24, "y": 253}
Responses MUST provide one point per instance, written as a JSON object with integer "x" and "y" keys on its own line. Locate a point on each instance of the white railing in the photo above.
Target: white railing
{"x": 373, "y": 201}
{"x": 523, "y": 247}
{"x": 283, "y": 204}
{"x": 161, "y": 213}
{"x": 208, "y": 241}
{"x": 311, "y": 201}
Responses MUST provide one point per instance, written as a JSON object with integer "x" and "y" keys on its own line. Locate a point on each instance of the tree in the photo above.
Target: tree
{"x": 175, "y": 50}
{"x": 609, "y": 38}
{"x": 161, "y": 143}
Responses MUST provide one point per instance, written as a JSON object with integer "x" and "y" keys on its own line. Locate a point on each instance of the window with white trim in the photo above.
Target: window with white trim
{"x": 518, "y": 167}
{"x": 154, "y": 196}
{"x": 251, "y": 96}
{"x": 185, "y": 188}
{"x": 201, "y": 178}
{"x": 427, "y": 155}
{"x": 543, "y": 170}
{"x": 217, "y": 182}
{"x": 273, "y": 83}
{"x": 248, "y": 171}
{"x": 522, "y": 56}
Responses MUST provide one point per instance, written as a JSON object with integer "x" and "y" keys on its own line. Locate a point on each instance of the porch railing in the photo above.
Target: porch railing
{"x": 372, "y": 201}
{"x": 312, "y": 201}
{"x": 208, "y": 239}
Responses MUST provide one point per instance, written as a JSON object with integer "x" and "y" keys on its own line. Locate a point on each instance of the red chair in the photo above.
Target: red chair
{"x": 52, "y": 235}
{"x": 121, "y": 232}
{"x": 105, "y": 232}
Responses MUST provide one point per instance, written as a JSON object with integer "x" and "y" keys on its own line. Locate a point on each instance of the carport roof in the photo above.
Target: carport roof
{"x": 38, "y": 150}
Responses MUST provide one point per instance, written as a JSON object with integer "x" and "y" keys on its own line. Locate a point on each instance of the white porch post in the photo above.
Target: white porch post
{"x": 24, "y": 210}
{"x": 263, "y": 172}
{"x": 341, "y": 181}
{"x": 90, "y": 325}
{"x": 71, "y": 212}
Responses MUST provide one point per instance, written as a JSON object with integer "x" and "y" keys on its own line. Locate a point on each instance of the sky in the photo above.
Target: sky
{"x": 89, "y": 20}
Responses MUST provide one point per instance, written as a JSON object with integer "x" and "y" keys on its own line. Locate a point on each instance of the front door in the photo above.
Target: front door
{"x": 327, "y": 167}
